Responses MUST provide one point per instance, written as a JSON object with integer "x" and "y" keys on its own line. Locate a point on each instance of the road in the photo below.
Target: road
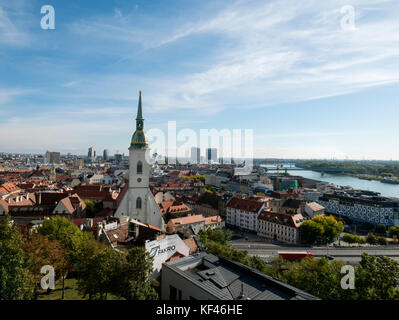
{"x": 351, "y": 254}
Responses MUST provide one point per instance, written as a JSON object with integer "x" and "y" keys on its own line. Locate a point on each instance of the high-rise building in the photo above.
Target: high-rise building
{"x": 138, "y": 202}
{"x": 78, "y": 163}
{"x": 91, "y": 155}
{"x": 105, "y": 155}
{"x": 212, "y": 155}
{"x": 195, "y": 155}
{"x": 53, "y": 157}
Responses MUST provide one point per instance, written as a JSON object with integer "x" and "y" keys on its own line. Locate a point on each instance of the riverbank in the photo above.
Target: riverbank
{"x": 385, "y": 189}
{"x": 382, "y": 179}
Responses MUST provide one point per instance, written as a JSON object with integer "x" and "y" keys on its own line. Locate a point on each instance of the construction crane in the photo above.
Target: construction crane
{"x": 278, "y": 176}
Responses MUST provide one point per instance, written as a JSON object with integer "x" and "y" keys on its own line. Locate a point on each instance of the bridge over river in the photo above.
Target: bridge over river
{"x": 293, "y": 167}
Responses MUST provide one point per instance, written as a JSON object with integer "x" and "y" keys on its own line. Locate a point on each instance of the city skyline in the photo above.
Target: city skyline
{"x": 307, "y": 88}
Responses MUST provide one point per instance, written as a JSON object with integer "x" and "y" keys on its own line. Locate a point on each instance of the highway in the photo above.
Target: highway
{"x": 269, "y": 251}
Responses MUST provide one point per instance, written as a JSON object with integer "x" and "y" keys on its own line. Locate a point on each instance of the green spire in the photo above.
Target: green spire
{"x": 139, "y": 140}
{"x": 139, "y": 109}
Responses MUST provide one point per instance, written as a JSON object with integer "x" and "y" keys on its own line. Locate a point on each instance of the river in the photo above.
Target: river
{"x": 386, "y": 189}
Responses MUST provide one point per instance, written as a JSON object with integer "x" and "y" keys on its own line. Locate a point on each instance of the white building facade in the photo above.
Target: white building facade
{"x": 243, "y": 213}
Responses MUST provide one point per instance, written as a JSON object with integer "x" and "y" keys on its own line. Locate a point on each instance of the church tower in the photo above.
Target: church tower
{"x": 138, "y": 166}
{"x": 138, "y": 202}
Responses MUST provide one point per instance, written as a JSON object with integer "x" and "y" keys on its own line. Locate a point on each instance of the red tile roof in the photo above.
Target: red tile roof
{"x": 188, "y": 220}
{"x": 245, "y": 205}
{"x": 173, "y": 207}
{"x": 282, "y": 218}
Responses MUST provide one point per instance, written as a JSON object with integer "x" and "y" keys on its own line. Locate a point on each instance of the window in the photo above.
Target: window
{"x": 138, "y": 203}
{"x": 139, "y": 167}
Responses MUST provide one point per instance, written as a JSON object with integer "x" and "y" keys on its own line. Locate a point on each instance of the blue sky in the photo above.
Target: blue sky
{"x": 285, "y": 69}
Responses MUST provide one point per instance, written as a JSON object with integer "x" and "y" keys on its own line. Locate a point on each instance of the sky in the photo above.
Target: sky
{"x": 307, "y": 85}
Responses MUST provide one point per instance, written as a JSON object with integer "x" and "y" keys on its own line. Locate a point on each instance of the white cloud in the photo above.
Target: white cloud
{"x": 10, "y": 34}
{"x": 6, "y": 95}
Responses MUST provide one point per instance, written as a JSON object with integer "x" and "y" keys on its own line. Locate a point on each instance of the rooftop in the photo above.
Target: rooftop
{"x": 229, "y": 280}
{"x": 245, "y": 204}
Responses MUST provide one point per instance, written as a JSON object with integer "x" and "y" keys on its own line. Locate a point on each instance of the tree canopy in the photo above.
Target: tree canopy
{"x": 320, "y": 229}
{"x": 68, "y": 234}
{"x": 16, "y": 282}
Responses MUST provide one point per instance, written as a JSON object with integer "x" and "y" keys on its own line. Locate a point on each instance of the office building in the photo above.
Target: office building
{"x": 195, "y": 155}
{"x": 212, "y": 155}
{"x": 53, "y": 157}
{"x": 203, "y": 276}
{"x": 362, "y": 206}
{"x": 106, "y": 155}
{"x": 91, "y": 155}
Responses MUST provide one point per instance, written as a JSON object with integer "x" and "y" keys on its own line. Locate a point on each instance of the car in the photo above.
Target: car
{"x": 329, "y": 257}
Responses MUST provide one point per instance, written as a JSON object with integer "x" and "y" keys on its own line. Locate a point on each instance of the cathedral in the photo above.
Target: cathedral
{"x": 138, "y": 202}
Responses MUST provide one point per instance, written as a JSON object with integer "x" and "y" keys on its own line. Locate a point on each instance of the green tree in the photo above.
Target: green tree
{"x": 311, "y": 232}
{"x": 135, "y": 279}
{"x": 219, "y": 235}
{"x": 393, "y": 231}
{"x": 320, "y": 277}
{"x": 90, "y": 208}
{"x": 98, "y": 272}
{"x": 330, "y": 225}
{"x": 16, "y": 281}
{"x": 61, "y": 229}
{"x": 320, "y": 229}
{"x": 377, "y": 278}
{"x": 41, "y": 251}
{"x": 257, "y": 263}
{"x": 215, "y": 242}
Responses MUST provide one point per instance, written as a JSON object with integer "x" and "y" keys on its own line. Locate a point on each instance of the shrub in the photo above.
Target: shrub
{"x": 351, "y": 238}
{"x": 371, "y": 239}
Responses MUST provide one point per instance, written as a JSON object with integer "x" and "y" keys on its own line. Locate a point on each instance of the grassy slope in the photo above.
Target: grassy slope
{"x": 71, "y": 292}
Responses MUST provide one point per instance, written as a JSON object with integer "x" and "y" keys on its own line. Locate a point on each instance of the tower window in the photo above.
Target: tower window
{"x": 138, "y": 203}
{"x": 139, "y": 167}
